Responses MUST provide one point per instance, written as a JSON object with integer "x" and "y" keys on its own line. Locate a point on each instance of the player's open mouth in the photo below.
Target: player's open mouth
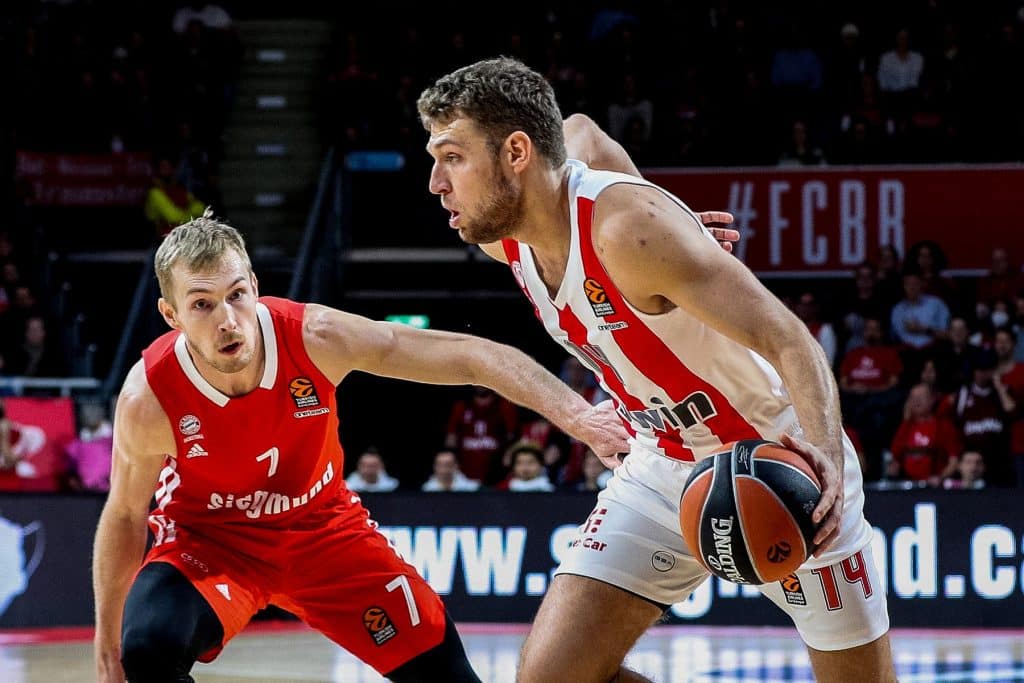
{"x": 231, "y": 349}
{"x": 454, "y": 220}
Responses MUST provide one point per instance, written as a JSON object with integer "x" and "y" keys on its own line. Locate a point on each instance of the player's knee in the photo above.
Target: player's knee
{"x": 151, "y": 652}
{"x": 444, "y": 662}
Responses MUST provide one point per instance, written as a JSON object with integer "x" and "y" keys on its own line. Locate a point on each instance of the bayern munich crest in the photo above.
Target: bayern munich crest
{"x": 189, "y": 425}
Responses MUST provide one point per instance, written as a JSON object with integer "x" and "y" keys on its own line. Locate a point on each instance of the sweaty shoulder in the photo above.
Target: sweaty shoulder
{"x": 141, "y": 424}
{"x": 641, "y": 235}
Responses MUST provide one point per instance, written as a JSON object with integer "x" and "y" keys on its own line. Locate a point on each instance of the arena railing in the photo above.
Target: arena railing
{"x": 317, "y": 261}
{"x": 65, "y": 385}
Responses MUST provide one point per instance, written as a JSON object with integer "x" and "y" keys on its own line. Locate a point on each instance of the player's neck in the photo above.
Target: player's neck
{"x": 545, "y": 226}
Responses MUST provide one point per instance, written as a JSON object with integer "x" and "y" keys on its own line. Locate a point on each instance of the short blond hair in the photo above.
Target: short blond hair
{"x": 199, "y": 245}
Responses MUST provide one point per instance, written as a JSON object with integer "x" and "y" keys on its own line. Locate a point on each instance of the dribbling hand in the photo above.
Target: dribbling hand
{"x": 715, "y": 222}
{"x": 829, "y": 512}
{"x": 606, "y": 435}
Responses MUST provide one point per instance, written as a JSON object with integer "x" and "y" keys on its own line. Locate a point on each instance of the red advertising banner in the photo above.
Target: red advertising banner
{"x": 824, "y": 221}
{"x": 85, "y": 180}
{"x": 41, "y": 428}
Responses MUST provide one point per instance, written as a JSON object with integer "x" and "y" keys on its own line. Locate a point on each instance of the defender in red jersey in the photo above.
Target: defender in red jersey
{"x": 693, "y": 349}
{"x": 232, "y": 417}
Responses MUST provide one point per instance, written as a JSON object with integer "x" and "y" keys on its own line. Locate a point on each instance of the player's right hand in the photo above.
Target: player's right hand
{"x": 607, "y": 436}
{"x": 108, "y": 663}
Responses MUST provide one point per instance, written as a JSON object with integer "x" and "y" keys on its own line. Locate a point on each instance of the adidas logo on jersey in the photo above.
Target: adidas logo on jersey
{"x": 196, "y": 451}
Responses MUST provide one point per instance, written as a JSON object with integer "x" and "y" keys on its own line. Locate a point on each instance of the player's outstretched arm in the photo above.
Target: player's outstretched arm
{"x": 654, "y": 251}
{"x": 341, "y": 342}
{"x": 142, "y": 435}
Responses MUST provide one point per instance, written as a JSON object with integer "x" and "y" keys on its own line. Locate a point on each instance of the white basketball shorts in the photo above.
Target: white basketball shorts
{"x": 632, "y": 540}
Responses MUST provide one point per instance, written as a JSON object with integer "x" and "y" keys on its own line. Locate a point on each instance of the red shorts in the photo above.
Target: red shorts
{"x": 336, "y": 573}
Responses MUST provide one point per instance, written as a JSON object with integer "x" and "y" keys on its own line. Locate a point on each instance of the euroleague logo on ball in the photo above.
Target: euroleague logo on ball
{"x": 779, "y": 552}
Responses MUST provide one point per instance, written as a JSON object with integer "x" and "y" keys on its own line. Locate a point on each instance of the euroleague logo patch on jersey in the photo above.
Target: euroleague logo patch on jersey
{"x": 793, "y": 590}
{"x": 379, "y": 625}
{"x": 303, "y": 392}
{"x": 597, "y": 297}
{"x": 189, "y": 425}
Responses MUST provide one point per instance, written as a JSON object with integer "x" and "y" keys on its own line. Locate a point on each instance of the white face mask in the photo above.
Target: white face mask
{"x": 1000, "y": 318}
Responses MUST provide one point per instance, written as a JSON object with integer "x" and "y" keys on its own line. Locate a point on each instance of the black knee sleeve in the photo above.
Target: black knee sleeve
{"x": 444, "y": 662}
{"x": 167, "y": 625}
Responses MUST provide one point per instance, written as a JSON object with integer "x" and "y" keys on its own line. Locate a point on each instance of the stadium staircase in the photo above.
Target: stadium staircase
{"x": 273, "y": 151}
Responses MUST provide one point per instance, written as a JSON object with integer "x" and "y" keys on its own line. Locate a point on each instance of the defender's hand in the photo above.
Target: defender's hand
{"x": 606, "y": 435}
{"x": 715, "y": 222}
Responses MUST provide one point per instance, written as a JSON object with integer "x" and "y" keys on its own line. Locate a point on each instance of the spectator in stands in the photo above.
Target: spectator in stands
{"x": 1009, "y": 370}
{"x": 595, "y": 474}
{"x": 1017, "y": 323}
{"x": 808, "y": 310}
{"x": 630, "y": 104}
{"x": 799, "y": 150}
{"x": 528, "y": 473}
{"x": 36, "y": 356}
{"x": 1003, "y": 280}
{"x": 928, "y": 260}
{"x": 919, "y": 319}
{"x": 168, "y": 203}
{"x": 868, "y": 379}
{"x": 899, "y": 72}
{"x": 889, "y": 276}
{"x": 846, "y": 67}
{"x": 479, "y": 430}
{"x": 970, "y": 472}
{"x": 19, "y": 443}
{"x": 551, "y": 439}
{"x": 209, "y": 15}
{"x": 982, "y": 411}
{"x": 370, "y": 475}
{"x": 796, "y": 74}
{"x": 862, "y": 303}
{"x": 447, "y": 476}
{"x": 89, "y": 455}
{"x": 954, "y": 356}
{"x": 924, "y": 445}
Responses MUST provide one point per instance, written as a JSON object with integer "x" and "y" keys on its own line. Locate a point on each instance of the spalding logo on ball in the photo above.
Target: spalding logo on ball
{"x": 746, "y": 511}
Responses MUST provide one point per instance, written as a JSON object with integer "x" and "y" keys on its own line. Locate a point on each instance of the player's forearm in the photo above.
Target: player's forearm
{"x": 812, "y": 388}
{"x": 117, "y": 553}
{"x": 524, "y": 381}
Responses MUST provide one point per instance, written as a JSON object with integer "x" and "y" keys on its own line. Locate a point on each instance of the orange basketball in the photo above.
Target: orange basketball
{"x": 745, "y": 511}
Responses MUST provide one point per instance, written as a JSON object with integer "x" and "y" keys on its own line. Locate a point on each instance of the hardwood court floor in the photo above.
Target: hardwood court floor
{"x": 287, "y": 653}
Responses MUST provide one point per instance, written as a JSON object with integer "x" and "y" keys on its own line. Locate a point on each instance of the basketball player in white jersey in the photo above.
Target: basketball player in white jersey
{"x": 694, "y": 350}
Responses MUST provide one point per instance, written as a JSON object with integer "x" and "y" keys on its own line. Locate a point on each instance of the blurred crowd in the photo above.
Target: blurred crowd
{"x": 929, "y": 367}
{"x": 715, "y": 81}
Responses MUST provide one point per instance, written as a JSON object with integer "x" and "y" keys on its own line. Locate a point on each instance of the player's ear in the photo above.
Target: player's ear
{"x": 518, "y": 151}
{"x": 168, "y": 314}
{"x": 255, "y": 284}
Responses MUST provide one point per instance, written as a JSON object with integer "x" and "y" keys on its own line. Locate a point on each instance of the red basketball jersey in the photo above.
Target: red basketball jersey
{"x": 264, "y": 460}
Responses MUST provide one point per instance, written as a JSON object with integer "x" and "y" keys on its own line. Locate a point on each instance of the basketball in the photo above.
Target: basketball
{"x": 745, "y": 511}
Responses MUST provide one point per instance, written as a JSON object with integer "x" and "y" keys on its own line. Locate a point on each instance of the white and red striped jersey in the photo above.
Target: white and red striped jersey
{"x": 682, "y": 388}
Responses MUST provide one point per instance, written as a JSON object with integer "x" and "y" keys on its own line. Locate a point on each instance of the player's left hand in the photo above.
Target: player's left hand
{"x": 715, "y": 222}
{"x": 828, "y": 515}
{"x": 604, "y": 433}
